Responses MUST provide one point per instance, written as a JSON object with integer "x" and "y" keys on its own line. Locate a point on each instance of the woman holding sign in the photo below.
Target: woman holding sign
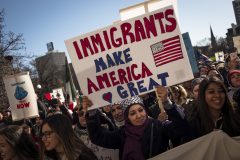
{"x": 141, "y": 137}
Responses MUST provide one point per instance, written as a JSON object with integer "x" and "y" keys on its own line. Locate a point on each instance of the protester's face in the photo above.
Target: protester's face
{"x": 38, "y": 121}
{"x": 137, "y": 115}
{"x": 118, "y": 113}
{"x": 203, "y": 71}
{"x": 7, "y": 152}
{"x": 175, "y": 94}
{"x": 107, "y": 108}
{"x": 235, "y": 79}
{"x": 82, "y": 119}
{"x": 212, "y": 73}
{"x": 233, "y": 64}
{"x": 215, "y": 97}
{"x": 26, "y": 128}
{"x": 50, "y": 138}
{"x": 196, "y": 91}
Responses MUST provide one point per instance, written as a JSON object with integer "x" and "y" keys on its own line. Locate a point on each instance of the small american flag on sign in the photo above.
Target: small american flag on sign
{"x": 167, "y": 51}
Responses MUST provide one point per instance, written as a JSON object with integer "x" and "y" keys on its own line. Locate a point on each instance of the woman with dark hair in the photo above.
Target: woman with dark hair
{"x": 17, "y": 144}
{"x": 60, "y": 141}
{"x": 141, "y": 137}
{"x": 214, "y": 110}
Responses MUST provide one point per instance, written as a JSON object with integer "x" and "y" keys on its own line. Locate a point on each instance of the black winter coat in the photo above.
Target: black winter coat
{"x": 155, "y": 139}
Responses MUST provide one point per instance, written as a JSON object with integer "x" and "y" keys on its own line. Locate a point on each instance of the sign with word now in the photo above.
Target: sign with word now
{"x": 21, "y": 96}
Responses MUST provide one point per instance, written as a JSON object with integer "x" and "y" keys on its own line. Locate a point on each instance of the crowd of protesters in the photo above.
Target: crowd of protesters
{"x": 137, "y": 127}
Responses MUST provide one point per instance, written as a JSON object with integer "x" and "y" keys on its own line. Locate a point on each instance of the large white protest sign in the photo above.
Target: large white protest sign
{"x": 130, "y": 58}
{"x": 216, "y": 145}
{"x": 21, "y": 96}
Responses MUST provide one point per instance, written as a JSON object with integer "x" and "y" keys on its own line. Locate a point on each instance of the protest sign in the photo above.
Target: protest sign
{"x": 130, "y": 58}
{"x": 219, "y": 56}
{"x": 215, "y": 145}
{"x": 145, "y": 7}
{"x": 58, "y": 94}
{"x": 236, "y": 41}
{"x": 21, "y": 96}
{"x": 190, "y": 52}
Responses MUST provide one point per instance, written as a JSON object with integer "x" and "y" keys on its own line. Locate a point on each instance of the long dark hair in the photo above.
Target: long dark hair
{"x": 231, "y": 119}
{"x": 21, "y": 142}
{"x": 72, "y": 144}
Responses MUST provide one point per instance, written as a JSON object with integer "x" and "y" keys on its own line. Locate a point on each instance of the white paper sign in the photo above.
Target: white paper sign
{"x": 130, "y": 58}
{"x": 236, "y": 41}
{"x": 58, "y": 94}
{"x": 21, "y": 96}
{"x": 219, "y": 56}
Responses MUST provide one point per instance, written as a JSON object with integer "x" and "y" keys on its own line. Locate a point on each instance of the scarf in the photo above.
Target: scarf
{"x": 133, "y": 147}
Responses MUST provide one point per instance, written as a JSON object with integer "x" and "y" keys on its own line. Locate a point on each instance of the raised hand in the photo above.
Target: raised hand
{"x": 163, "y": 116}
{"x": 162, "y": 93}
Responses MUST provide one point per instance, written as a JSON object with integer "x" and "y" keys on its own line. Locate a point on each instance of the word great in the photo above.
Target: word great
{"x": 139, "y": 87}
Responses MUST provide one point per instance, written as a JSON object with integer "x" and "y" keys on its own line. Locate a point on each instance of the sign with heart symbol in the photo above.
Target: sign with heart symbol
{"x": 107, "y": 97}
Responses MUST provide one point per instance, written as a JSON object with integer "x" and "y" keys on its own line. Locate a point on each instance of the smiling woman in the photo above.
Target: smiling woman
{"x": 60, "y": 141}
{"x": 17, "y": 144}
{"x": 214, "y": 110}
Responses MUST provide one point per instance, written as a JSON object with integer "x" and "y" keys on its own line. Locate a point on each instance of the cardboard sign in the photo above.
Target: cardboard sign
{"x": 21, "y": 96}
{"x": 130, "y": 58}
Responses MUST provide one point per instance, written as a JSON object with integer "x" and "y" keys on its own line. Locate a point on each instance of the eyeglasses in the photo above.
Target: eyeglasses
{"x": 46, "y": 134}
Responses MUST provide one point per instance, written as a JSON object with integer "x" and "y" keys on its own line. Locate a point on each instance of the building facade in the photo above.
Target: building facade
{"x": 236, "y": 8}
{"x": 52, "y": 69}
